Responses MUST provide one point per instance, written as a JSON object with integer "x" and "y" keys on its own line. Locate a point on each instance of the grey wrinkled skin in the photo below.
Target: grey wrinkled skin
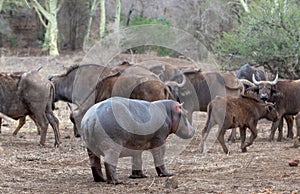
{"x": 120, "y": 127}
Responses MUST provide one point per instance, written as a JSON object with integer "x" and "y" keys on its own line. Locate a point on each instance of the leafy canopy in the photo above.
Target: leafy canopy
{"x": 267, "y": 36}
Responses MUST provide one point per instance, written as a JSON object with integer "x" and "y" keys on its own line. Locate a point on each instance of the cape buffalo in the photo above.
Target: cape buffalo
{"x": 245, "y": 73}
{"x": 282, "y": 93}
{"x": 200, "y": 87}
{"x": 121, "y": 127}
{"x": 27, "y": 93}
{"x": 231, "y": 112}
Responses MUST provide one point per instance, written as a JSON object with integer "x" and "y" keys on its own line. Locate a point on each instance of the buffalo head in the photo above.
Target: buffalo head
{"x": 265, "y": 89}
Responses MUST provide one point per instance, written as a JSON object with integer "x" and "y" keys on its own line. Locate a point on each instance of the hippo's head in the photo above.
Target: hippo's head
{"x": 181, "y": 126}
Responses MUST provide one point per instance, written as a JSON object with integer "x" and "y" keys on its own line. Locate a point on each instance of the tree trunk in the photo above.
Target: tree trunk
{"x": 102, "y": 18}
{"x": 117, "y": 19}
{"x": 73, "y": 32}
{"x": 1, "y": 4}
{"x": 88, "y": 31}
{"x": 53, "y": 29}
{"x": 245, "y": 6}
{"x": 50, "y": 13}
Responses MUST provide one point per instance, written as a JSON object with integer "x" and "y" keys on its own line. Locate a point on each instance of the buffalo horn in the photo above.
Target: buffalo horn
{"x": 247, "y": 82}
{"x": 254, "y": 80}
{"x": 275, "y": 80}
{"x": 173, "y": 83}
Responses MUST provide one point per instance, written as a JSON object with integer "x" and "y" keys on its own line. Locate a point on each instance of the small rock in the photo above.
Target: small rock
{"x": 1, "y": 150}
{"x": 294, "y": 162}
{"x": 171, "y": 183}
{"x": 67, "y": 136}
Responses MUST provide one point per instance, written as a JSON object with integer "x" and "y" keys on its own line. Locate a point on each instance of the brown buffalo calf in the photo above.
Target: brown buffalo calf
{"x": 243, "y": 112}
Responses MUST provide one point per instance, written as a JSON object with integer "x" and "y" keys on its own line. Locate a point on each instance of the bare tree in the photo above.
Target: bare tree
{"x": 102, "y": 18}
{"x": 49, "y": 12}
{"x": 117, "y": 18}
{"x": 92, "y": 10}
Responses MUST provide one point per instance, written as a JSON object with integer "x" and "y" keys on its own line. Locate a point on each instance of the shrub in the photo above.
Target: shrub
{"x": 268, "y": 36}
{"x": 160, "y": 50}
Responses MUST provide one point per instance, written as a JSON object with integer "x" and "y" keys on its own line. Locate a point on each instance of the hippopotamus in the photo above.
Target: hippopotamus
{"x": 121, "y": 127}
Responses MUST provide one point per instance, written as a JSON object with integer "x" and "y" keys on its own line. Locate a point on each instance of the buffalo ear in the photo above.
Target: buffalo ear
{"x": 269, "y": 108}
{"x": 253, "y": 89}
{"x": 276, "y": 93}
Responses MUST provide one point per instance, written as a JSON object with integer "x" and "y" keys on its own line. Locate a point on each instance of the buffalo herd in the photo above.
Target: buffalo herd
{"x": 125, "y": 109}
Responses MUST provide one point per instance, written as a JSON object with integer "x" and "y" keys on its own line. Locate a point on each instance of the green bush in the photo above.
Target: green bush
{"x": 13, "y": 41}
{"x": 268, "y": 36}
{"x": 161, "y": 51}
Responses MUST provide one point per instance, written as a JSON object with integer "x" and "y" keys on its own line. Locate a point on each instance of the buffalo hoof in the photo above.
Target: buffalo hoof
{"x": 115, "y": 182}
{"x": 271, "y": 139}
{"x": 137, "y": 174}
{"x": 166, "y": 174}
{"x": 77, "y": 135}
{"x": 56, "y": 144}
{"x": 244, "y": 149}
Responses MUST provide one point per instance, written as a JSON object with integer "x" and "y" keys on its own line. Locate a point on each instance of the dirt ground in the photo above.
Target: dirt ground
{"x": 27, "y": 168}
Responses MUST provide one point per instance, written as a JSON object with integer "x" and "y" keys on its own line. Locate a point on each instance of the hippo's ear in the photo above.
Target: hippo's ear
{"x": 178, "y": 107}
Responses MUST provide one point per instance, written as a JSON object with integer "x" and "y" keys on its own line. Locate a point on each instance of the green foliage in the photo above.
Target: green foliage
{"x": 161, "y": 20}
{"x": 13, "y": 41}
{"x": 268, "y": 35}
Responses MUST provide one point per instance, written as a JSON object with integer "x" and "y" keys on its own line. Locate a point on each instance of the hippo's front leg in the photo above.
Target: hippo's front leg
{"x": 96, "y": 167}
{"x": 137, "y": 165}
{"x": 158, "y": 156}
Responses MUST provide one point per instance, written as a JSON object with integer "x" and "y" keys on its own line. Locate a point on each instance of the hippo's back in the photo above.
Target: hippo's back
{"x": 119, "y": 116}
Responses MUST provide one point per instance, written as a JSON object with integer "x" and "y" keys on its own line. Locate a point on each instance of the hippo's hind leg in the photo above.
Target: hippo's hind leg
{"x": 110, "y": 162}
{"x": 158, "y": 156}
{"x": 96, "y": 167}
{"x": 137, "y": 164}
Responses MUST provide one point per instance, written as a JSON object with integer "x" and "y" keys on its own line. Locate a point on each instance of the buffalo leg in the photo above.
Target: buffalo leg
{"x": 110, "y": 162}
{"x": 38, "y": 127}
{"x": 0, "y": 124}
{"x": 232, "y": 136}
{"x": 290, "y": 122}
{"x": 209, "y": 124}
{"x": 71, "y": 117}
{"x": 95, "y": 164}
{"x": 252, "y": 136}
{"x": 42, "y": 121}
{"x": 158, "y": 156}
{"x": 298, "y": 124}
{"x": 54, "y": 124}
{"x": 273, "y": 129}
{"x": 243, "y": 138}
{"x": 221, "y": 140}
{"x": 137, "y": 162}
{"x": 22, "y": 121}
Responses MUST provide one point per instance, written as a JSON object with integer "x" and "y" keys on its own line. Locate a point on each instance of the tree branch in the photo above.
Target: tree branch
{"x": 45, "y": 13}
{"x": 40, "y": 17}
